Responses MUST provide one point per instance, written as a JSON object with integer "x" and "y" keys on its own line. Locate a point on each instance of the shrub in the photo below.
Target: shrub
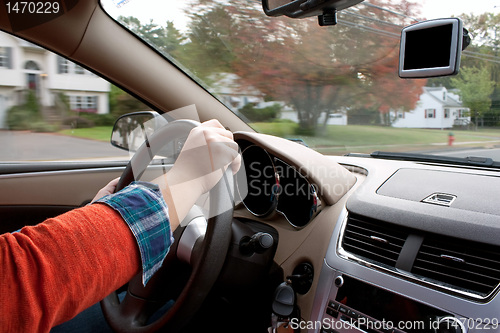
{"x": 305, "y": 131}
{"x": 77, "y": 122}
{"x": 20, "y": 117}
{"x": 99, "y": 119}
{"x": 261, "y": 114}
{"x": 32, "y": 103}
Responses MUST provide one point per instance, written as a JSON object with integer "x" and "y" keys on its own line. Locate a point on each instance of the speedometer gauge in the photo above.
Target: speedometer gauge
{"x": 298, "y": 200}
{"x": 262, "y": 181}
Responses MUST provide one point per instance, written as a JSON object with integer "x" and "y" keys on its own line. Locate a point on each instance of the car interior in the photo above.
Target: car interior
{"x": 381, "y": 242}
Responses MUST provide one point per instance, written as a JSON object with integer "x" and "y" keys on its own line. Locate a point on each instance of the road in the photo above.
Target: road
{"x": 27, "y": 146}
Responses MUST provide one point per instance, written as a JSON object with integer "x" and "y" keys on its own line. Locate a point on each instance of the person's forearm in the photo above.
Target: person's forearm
{"x": 167, "y": 196}
{"x": 52, "y": 271}
{"x": 179, "y": 198}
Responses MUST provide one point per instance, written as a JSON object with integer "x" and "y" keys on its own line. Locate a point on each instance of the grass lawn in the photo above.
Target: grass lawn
{"x": 358, "y": 138}
{"x": 99, "y": 133}
{"x": 352, "y": 138}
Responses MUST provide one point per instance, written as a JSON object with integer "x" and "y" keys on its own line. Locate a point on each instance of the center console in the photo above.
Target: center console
{"x": 416, "y": 249}
{"x": 354, "y": 305}
{"x": 359, "y": 296}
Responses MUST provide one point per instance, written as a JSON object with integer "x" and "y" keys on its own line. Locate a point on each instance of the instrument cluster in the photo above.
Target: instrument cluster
{"x": 272, "y": 185}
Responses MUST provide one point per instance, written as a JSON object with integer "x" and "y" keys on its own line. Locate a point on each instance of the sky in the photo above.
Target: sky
{"x": 172, "y": 10}
{"x": 163, "y": 10}
{"x": 443, "y": 8}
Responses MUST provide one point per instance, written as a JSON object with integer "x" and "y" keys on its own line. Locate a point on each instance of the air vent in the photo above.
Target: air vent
{"x": 374, "y": 240}
{"x": 470, "y": 266}
{"x": 441, "y": 199}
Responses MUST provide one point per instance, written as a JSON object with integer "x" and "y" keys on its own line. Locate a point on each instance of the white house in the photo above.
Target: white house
{"x": 337, "y": 118}
{"x": 233, "y": 94}
{"x": 25, "y": 66}
{"x": 236, "y": 95}
{"x": 437, "y": 108}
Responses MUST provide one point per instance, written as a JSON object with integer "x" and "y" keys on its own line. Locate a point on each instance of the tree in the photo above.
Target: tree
{"x": 485, "y": 29}
{"x": 475, "y": 88}
{"x": 212, "y": 41}
{"x": 120, "y": 102}
{"x": 167, "y": 39}
{"x": 385, "y": 91}
{"x": 320, "y": 70}
{"x": 482, "y": 53}
{"x": 317, "y": 70}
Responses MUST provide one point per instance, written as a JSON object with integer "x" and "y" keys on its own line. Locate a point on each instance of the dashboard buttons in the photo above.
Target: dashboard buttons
{"x": 333, "y": 305}
{"x": 339, "y": 281}
{"x": 332, "y": 309}
{"x": 450, "y": 325}
{"x": 332, "y": 312}
{"x": 354, "y": 314}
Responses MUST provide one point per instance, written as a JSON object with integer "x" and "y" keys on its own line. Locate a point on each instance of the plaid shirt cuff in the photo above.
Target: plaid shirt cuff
{"x": 143, "y": 208}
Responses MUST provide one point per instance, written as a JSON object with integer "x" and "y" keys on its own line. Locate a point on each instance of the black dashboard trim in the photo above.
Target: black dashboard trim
{"x": 409, "y": 252}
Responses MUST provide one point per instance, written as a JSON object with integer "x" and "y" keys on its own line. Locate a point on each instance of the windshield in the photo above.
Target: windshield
{"x": 336, "y": 87}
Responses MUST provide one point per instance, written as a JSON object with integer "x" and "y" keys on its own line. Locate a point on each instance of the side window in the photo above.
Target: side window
{"x": 62, "y": 65}
{"x": 6, "y": 57}
{"x": 430, "y": 113}
{"x": 52, "y": 109}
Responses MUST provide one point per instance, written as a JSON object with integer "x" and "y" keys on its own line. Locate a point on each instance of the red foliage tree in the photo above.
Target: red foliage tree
{"x": 320, "y": 70}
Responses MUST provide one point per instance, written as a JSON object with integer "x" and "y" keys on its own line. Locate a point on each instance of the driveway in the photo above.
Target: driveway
{"x": 27, "y": 146}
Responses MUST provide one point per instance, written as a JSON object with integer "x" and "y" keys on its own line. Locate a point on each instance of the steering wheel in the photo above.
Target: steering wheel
{"x": 132, "y": 313}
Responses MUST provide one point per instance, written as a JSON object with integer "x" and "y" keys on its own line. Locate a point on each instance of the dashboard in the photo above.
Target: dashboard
{"x": 409, "y": 246}
{"x": 416, "y": 249}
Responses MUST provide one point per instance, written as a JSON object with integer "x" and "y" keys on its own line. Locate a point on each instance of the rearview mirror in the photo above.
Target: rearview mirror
{"x": 133, "y": 129}
{"x": 432, "y": 48}
{"x": 325, "y": 9}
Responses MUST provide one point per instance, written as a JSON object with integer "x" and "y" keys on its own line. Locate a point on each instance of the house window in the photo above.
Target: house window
{"x": 462, "y": 113}
{"x": 62, "y": 65}
{"x": 6, "y": 57}
{"x": 79, "y": 69}
{"x": 430, "y": 113}
{"x": 78, "y": 103}
{"x": 91, "y": 105}
{"x": 447, "y": 113}
{"x": 83, "y": 103}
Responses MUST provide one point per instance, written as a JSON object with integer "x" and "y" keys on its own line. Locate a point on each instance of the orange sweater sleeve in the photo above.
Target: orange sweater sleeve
{"x": 53, "y": 271}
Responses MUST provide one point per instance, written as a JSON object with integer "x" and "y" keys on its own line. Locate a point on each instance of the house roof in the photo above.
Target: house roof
{"x": 449, "y": 101}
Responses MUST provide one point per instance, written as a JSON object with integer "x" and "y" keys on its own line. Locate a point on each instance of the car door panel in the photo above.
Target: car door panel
{"x": 29, "y": 198}
{"x": 31, "y": 193}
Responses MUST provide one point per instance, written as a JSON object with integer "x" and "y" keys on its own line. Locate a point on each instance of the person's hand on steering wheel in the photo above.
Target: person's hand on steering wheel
{"x": 208, "y": 151}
